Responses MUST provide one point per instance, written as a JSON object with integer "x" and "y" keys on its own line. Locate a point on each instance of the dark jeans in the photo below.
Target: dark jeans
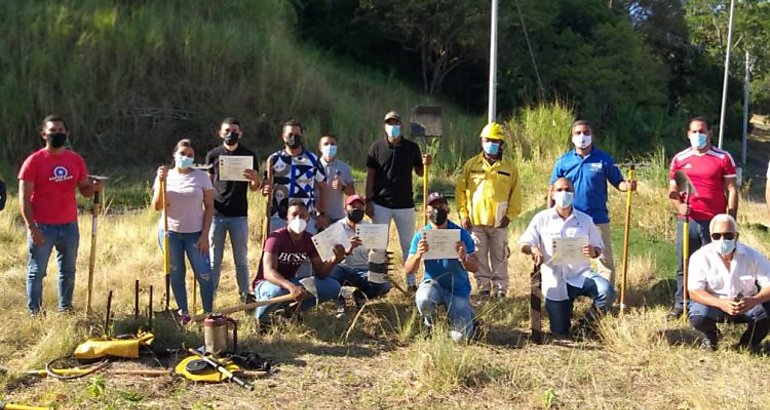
{"x": 595, "y": 287}
{"x": 705, "y": 318}
{"x": 699, "y": 236}
{"x": 358, "y": 279}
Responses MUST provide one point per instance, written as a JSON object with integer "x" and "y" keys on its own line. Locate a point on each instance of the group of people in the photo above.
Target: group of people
{"x": 311, "y": 191}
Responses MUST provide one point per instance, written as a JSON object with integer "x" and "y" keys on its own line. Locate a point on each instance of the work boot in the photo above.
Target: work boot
{"x": 500, "y": 294}
{"x": 340, "y": 308}
{"x": 359, "y": 298}
{"x": 709, "y": 341}
{"x": 484, "y": 294}
{"x": 247, "y": 298}
{"x": 675, "y": 313}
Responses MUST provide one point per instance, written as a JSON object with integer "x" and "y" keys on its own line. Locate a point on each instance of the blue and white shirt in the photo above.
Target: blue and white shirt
{"x": 294, "y": 177}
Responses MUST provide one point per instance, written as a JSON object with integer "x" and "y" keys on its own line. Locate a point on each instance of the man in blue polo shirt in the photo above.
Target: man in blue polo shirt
{"x": 589, "y": 170}
{"x": 446, "y": 280}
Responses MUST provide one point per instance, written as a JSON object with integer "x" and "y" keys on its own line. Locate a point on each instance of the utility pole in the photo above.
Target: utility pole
{"x": 727, "y": 73}
{"x": 492, "y": 107}
{"x": 746, "y": 87}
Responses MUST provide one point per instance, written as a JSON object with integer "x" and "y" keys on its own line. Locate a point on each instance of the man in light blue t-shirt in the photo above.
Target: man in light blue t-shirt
{"x": 446, "y": 280}
{"x": 339, "y": 178}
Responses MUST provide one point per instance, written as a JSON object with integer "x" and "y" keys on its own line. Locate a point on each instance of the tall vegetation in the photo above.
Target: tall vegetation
{"x": 133, "y": 77}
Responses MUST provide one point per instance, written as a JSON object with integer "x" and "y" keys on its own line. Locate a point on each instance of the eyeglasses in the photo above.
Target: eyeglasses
{"x": 719, "y": 235}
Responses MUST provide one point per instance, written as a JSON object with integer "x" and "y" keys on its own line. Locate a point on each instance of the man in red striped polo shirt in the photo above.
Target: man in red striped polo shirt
{"x": 712, "y": 172}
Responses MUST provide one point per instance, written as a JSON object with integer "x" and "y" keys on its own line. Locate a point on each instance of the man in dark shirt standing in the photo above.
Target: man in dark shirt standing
{"x": 231, "y": 207}
{"x": 389, "y": 183}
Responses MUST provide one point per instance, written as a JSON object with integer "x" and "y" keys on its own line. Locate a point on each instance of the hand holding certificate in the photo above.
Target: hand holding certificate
{"x": 231, "y": 167}
{"x": 442, "y": 244}
{"x": 326, "y": 240}
{"x": 373, "y": 236}
{"x": 568, "y": 251}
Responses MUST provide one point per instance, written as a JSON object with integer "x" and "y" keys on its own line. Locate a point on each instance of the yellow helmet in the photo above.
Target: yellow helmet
{"x": 493, "y": 131}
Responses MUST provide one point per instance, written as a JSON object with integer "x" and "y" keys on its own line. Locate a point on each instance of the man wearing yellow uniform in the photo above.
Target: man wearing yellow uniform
{"x": 488, "y": 198}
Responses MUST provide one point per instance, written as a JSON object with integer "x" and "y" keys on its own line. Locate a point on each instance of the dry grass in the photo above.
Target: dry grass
{"x": 383, "y": 360}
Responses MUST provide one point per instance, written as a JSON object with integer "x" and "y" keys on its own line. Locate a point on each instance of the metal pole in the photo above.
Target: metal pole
{"x": 746, "y": 82}
{"x": 727, "y": 73}
{"x": 492, "y": 108}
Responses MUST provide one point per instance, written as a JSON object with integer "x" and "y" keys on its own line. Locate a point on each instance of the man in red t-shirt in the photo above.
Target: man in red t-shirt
{"x": 47, "y": 183}
{"x": 712, "y": 173}
{"x": 286, "y": 249}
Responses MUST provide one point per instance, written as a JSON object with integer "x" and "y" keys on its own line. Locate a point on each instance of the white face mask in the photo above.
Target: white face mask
{"x": 297, "y": 225}
{"x": 563, "y": 199}
{"x": 581, "y": 141}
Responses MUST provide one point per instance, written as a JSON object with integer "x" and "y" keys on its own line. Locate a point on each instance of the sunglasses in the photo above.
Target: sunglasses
{"x": 727, "y": 235}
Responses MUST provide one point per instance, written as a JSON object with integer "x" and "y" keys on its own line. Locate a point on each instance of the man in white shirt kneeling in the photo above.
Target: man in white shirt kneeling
{"x": 566, "y": 277}
{"x": 729, "y": 282}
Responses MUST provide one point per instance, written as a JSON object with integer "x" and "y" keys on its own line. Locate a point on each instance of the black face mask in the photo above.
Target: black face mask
{"x": 356, "y": 215}
{"x": 232, "y": 138}
{"x": 56, "y": 140}
{"x": 439, "y": 216}
{"x": 293, "y": 141}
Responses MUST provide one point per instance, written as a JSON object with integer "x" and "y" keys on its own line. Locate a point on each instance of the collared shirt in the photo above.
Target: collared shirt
{"x": 393, "y": 165}
{"x": 707, "y": 173}
{"x": 448, "y": 273}
{"x": 545, "y": 226}
{"x": 294, "y": 177}
{"x": 359, "y": 256}
{"x": 748, "y": 269}
{"x": 335, "y": 208}
{"x": 589, "y": 175}
{"x": 487, "y": 192}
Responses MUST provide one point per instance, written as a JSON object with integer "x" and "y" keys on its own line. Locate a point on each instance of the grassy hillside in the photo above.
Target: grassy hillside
{"x": 133, "y": 77}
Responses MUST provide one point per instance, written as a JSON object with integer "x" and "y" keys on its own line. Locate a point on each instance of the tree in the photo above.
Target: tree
{"x": 444, "y": 34}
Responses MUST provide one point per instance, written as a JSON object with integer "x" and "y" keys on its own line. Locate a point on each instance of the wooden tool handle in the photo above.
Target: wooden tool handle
{"x": 248, "y": 306}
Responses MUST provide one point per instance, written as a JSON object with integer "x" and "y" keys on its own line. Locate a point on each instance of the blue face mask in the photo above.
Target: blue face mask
{"x": 563, "y": 199}
{"x": 699, "y": 140}
{"x": 329, "y": 151}
{"x": 182, "y": 161}
{"x": 393, "y": 131}
{"x": 726, "y": 246}
{"x": 490, "y": 148}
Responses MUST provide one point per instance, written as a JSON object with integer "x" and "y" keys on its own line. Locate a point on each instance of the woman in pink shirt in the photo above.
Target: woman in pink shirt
{"x": 190, "y": 207}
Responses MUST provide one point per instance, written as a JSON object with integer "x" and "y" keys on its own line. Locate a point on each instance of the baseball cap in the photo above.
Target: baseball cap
{"x": 436, "y": 196}
{"x": 392, "y": 115}
{"x": 353, "y": 198}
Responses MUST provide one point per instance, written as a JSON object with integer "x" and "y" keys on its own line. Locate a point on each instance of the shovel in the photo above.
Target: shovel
{"x": 684, "y": 186}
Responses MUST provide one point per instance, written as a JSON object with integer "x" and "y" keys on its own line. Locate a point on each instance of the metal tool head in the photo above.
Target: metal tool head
{"x": 309, "y": 284}
{"x": 683, "y": 184}
{"x": 426, "y": 121}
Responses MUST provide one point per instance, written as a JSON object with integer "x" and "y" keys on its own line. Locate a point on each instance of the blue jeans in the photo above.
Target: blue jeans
{"x": 239, "y": 239}
{"x": 405, "y": 220}
{"x": 277, "y": 223}
{"x": 328, "y": 289}
{"x": 66, "y": 239}
{"x": 699, "y": 236}
{"x": 430, "y": 294}
{"x": 180, "y": 244}
{"x": 358, "y": 278}
{"x": 595, "y": 287}
{"x": 704, "y": 318}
